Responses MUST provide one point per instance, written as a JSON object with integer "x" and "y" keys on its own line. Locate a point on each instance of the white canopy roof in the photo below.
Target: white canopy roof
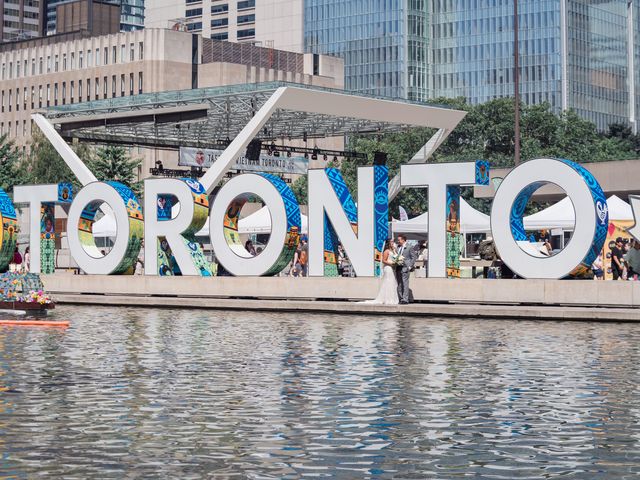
{"x": 471, "y": 221}
{"x": 562, "y": 215}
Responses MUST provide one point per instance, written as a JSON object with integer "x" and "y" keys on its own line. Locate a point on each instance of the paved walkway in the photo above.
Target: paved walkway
{"x": 522, "y": 312}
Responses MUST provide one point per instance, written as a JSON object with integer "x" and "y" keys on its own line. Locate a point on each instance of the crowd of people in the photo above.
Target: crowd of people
{"x": 624, "y": 260}
{"x": 20, "y": 263}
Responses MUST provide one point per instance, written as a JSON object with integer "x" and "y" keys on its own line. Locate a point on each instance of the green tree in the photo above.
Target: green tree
{"x": 45, "y": 165}
{"x": 114, "y": 163}
{"x": 487, "y": 132}
{"x": 11, "y": 170}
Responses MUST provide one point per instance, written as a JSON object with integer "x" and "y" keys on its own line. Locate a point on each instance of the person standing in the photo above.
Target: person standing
{"x": 388, "y": 293}
{"x": 27, "y": 260}
{"x": 301, "y": 258}
{"x": 404, "y": 269}
{"x": 632, "y": 258}
{"x": 617, "y": 259}
{"x": 597, "y": 268}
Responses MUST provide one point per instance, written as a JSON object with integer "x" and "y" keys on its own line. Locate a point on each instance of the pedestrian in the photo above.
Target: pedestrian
{"x": 341, "y": 260}
{"x": 301, "y": 257}
{"x": 27, "y": 260}
{"x": 598, "y": 268}
{"x": 632, "y": 259}
{"x": 617, "y": 259}
{"x": 16, "y": 262}
{"x": 248, "y": 246}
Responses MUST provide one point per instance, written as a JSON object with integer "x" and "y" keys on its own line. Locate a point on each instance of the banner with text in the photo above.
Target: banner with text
{"x": 202, "y": 157}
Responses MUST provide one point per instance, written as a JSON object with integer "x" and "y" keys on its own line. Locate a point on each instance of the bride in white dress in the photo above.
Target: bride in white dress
{"x": 388, "y": 293}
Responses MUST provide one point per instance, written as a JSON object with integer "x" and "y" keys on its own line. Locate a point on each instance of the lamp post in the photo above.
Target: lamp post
{"x": 516, "y": 80}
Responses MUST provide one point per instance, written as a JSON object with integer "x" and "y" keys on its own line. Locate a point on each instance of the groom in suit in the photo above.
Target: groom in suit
{"x": 403, "y": 271}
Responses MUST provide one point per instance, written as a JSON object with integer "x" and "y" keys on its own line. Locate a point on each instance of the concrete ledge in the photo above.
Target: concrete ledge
{"x": 354, "y": 308}
{"x": 475, "y": 291}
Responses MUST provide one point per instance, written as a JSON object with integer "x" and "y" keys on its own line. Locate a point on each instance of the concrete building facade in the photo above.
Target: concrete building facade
{"x": 73, "y": 68}
{"x": 131, "y": 14}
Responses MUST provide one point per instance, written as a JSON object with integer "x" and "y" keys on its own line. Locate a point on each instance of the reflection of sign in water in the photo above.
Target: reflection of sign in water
{"x": 200, "y": 157}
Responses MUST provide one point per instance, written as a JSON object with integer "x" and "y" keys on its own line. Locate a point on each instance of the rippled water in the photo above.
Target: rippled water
{"x": 189, "y": 394}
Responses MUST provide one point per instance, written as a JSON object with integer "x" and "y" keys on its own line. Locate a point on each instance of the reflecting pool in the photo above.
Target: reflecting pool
{"x": 185, "y": 394}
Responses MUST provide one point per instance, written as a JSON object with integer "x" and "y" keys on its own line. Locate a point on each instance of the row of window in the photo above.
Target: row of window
{"x": 197, "y": 12}
{"x": 71, "y": 61}
{"x": 78, "y": 91}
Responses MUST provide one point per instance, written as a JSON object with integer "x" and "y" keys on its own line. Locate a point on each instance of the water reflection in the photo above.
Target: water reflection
{"x": 127, "y": 392}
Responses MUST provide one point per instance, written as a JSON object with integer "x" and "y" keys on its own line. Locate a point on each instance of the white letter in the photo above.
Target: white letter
{"x": 126, "y": 247}
{"x": 35, "y": 196}
{"x": 285, "y": 225}
{"x": 324, "y": 200}
{"x": 172, "y": 229}
{"x": 437, "y": 176}
{"x": 511, "y": 189}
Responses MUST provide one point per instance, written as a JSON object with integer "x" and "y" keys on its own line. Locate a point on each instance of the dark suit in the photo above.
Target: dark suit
{"x": 403, "y": 272}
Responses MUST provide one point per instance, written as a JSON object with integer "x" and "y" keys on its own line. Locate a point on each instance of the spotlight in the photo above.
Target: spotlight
{"x": 316, "y": 151}
{"x": 335, "y": 158}
{"x": 324, "y": 157}
{"x": 289, "y": 154}
{"x": 306, "y": 155}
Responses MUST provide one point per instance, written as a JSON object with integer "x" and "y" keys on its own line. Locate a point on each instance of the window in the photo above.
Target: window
{"x": 220, "y": 36}
{"x": 64, "y": 93}
{"x": 40, "y": 67}
{"x": 33, "y": 97}
{"x": 48, "y": 94}
{"x": 97, "y": 57}
{"x": 88, "y": 89}
{"x": 114, "y": 52}
{"x": 132, "y": 52}
{"x": 80, "y": 59}
{"x": 140, "y": 82}
{"x": 48, "y": 63}
{"x": 71, "y": 91}
{"x": 246, "y": 19}
{"x": 97, "y": 88}
{"x": 246, "y": 4}
{"x": 216, "y": 9}
{"x": 113, "y": 86}
{"x": 194, "y": 26}
{"x": 140, "y": 51}
{"x": 73, "y": 60}
{"x": 219, "y": 22}
{"x": 10, "y": 99}
{"x": 194, "y": 12}
{"x": 18, "y": 69}
{"x": 56, "y": 64}
{"x": 106, "y": 56}
{"x": 123, "y": 53}
{"x": 250, "y": 32}
{"x": 17, "y": 99}
{"x": 33, "y": 66}
{"x": 40, "y": 96}
{"x": 89, "y": 58}
{"x": 122, "y": 85}
{"x": 55, "y": 94}
{"x": 2, "y": 108}
{"x": 131, "y": 83}
{"x": 105, "y": 86}
{"x": 64, "y": 62}
{"x": 10, "y": 69}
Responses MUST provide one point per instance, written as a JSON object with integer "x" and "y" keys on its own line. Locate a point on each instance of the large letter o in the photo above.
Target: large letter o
{"x": 285, "y": 225}
{"x": 129, "y": 228}
{"x": 508, "y": 207}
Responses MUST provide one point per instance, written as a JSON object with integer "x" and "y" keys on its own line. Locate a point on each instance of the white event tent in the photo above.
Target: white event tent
{"x": 471, "y": 221}
{"x": 561, "y": 215}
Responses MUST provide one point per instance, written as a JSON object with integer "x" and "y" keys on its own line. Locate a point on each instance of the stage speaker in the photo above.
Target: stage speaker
{"x": 253, "y": 150}
{"x": 380, "y": 158}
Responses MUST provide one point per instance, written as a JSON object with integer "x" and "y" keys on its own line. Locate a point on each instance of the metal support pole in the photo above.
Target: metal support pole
{"x": 516, "y": 80}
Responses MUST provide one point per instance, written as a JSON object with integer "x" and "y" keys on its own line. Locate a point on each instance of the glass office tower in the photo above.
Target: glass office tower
{"x": 575, "y": 54}
{"x": 384, "y": 43}
{"x": 131, "y": 18}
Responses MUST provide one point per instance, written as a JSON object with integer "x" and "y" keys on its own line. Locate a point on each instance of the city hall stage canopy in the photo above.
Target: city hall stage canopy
{"x": 237, "y": 114}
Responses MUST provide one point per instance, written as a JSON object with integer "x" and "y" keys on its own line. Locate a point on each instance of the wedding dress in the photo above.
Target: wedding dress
{"x": 388, "y": 293}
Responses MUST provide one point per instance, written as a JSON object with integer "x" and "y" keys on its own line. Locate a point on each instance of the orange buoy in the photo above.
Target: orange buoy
{"x": 34, "y": 323}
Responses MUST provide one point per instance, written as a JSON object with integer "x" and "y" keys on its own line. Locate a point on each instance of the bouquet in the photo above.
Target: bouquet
{"x": 398, "y": 260}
